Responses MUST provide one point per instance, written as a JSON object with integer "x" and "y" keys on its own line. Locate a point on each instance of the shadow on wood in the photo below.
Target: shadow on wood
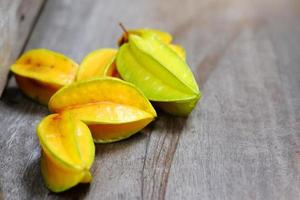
{"x": 14, "y": 99}
{"x": 32, "y": 179}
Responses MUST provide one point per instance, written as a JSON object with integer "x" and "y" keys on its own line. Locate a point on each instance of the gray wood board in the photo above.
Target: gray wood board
{"x": 242, "y": 141}
{"x": 16, "y": 20}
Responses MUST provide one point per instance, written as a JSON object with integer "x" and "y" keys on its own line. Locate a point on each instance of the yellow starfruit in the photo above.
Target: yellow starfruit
{"x": 67, "y": 151}
{"x": 112, "y": 108}
{"x": 98, "y": 63}
{"x": 41, "y": 72}
{"x": 163, "y": 36}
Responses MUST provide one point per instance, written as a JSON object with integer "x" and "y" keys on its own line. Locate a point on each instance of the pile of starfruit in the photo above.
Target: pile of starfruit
{"x": 104, "y": 99}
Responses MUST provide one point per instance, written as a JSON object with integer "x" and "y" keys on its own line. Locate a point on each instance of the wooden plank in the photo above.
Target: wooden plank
{"x": 241, "y": 142}
{"x": 246, "y": 141}
{"x": 16, "y": 20}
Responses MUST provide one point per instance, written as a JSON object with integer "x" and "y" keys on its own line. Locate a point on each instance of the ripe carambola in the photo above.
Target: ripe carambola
{"x": 41, "y": 72}
{"x": 162, "y": 75}
{"x": 68, "y": 151}
{"x": 112, "y": 108}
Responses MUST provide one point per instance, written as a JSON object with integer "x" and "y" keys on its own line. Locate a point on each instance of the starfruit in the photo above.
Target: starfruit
{"x": 159, "y": 72}
{"x": 68, "y": 151}
{"x": 162, "y": 36}
{"x": 98, "y": 63}
{"x": 112, "y": 108}
{"x": 40, "y": 73}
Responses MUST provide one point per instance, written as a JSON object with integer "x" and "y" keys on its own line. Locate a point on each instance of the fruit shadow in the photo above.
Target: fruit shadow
{"x": 103, "y": 149}
{"x": 36, "y": 189}
{"x": 34, "y": 184}
{"x": 32, "y": 180}
{"x": 77, "y": 192}
{"x": 13, "y": 99}
{"x": 164, "y": 124}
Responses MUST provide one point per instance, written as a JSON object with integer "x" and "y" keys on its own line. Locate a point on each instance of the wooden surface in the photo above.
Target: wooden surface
{"x": 16, "y": 20}
{"x": 241, "y": 142}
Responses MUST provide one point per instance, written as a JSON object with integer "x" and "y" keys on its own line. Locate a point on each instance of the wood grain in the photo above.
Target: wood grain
{"x": 16, "y": 20}
{"x": 241, "y": 142}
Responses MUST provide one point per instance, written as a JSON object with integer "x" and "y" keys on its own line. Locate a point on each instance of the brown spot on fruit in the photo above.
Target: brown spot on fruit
{"x": 28, "y": 61}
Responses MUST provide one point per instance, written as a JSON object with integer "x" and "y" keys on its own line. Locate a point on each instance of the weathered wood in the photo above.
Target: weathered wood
{"x": 241, "y": 142}
{"x": 16, "y": 20}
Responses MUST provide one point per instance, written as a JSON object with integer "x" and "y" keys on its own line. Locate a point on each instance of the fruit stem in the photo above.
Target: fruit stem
{"x": 124, "y": 29}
